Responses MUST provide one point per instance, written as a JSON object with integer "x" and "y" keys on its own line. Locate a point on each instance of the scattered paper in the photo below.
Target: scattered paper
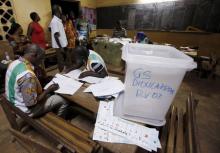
{"x": 106, "y": 136}
{"x": 89, "y": 79}
{"x": 124, "y": 131}
{"x": 66, "y": 85}
{"x": 106, "y": 88}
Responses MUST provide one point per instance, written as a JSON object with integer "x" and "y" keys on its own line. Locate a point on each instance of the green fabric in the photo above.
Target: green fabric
{"x": 12, "y": 80}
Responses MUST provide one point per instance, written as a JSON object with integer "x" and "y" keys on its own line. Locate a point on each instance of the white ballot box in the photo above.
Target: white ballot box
{"x": 153, "y": 76}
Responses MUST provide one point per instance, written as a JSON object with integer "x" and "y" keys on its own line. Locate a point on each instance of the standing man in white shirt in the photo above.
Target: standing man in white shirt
{"x": 59, "y": 40}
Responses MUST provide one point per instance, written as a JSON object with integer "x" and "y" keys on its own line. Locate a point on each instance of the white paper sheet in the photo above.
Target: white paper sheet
{"x": 103, "y": 80}
{"x": 92, "y": 80}
{"x": 66, "y": 85}
{"x": 107, "y": 87}
{"x": 106, "y": 136}
{"x": 74, "y": 74}
{"x": 144, "y": 137}
{"x": 89, "y": 79}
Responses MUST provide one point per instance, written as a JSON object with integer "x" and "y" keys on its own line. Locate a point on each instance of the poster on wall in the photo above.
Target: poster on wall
{"x": 90, "y": 15}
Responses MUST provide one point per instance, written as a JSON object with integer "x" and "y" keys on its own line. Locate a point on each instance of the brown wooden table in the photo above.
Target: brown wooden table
{"x": 85, "y": 100}
{"x": 90, "y": 103}
{"x": 172, "y": 135}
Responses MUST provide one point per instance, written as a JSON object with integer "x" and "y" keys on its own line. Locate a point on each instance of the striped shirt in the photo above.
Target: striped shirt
{"x": 95, "y": 62}
{"x": 21, "y": 85}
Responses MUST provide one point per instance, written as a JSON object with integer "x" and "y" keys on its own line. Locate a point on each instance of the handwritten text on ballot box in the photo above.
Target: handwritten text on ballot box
{"x": 142, "y": 81}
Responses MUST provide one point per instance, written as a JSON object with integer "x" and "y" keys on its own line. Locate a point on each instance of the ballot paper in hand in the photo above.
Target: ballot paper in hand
{"x": 66, "y": 85}
{"x": 106, "y": 88}
{"x": 134, "y": 133}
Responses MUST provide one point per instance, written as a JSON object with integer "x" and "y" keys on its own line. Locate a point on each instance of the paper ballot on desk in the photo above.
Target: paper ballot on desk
{"x": 74, "y": 74}
{"x": 124, "y": 131}
{"x": 92, "y": 80}
{"x": 106, "y": 88}
{"x": 106, "y": 136}
{"x": 66, "y": 85}
{"x": 103, "y": 80}
{"x": 89, "y": 79}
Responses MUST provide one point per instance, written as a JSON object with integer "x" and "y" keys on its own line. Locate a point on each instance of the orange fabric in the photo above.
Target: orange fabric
{"x": 29, "y": 67}
{"x": 70, "y": 34}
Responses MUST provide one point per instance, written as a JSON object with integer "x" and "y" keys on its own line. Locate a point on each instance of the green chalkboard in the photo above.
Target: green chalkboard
{"x": 172, "y": 15}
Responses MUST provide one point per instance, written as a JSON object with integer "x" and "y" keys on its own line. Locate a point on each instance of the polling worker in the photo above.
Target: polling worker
{"x": 119, "y": 31}
{"x": 93, "y": 62}
{"x": 24, "y": 90}
{"x": 35, "y": 31}
{"x": 58, "y": 35}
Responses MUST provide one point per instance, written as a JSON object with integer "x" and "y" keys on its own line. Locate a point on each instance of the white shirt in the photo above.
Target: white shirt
{"x": 56, "y": 25}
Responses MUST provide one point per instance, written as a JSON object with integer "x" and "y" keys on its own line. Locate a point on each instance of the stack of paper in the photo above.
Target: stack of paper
{"x": 113, "y": 129}
{"x": 66, "y": 85}
{"x": 109, "y": 86}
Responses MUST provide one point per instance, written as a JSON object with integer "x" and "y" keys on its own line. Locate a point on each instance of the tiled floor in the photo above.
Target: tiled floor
{"x": 208, "y": 115}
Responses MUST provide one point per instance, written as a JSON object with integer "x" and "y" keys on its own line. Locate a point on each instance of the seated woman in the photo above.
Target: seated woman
{"x": 95, "y": 65}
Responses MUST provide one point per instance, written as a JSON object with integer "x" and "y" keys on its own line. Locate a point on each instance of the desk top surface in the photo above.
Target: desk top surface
{"x": 89, "y": 102}
{"x": 86, "y": 100}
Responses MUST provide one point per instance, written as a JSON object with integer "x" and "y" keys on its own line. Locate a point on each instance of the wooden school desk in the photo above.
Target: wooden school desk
{"x": 178, "y": 135}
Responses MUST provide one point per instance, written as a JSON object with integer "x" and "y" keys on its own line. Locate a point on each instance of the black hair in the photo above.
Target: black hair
{"x": 55, "y": 9}
{"x": 81, "y": 52}
{"x": 34, "y": 49}
{"x": 118, "y": 22}
{"x": 33, "y": 16}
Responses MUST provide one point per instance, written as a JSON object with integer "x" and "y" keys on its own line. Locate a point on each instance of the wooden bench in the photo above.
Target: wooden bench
{"x": 180, "y": 134}
{"x": 62, "y": 133}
